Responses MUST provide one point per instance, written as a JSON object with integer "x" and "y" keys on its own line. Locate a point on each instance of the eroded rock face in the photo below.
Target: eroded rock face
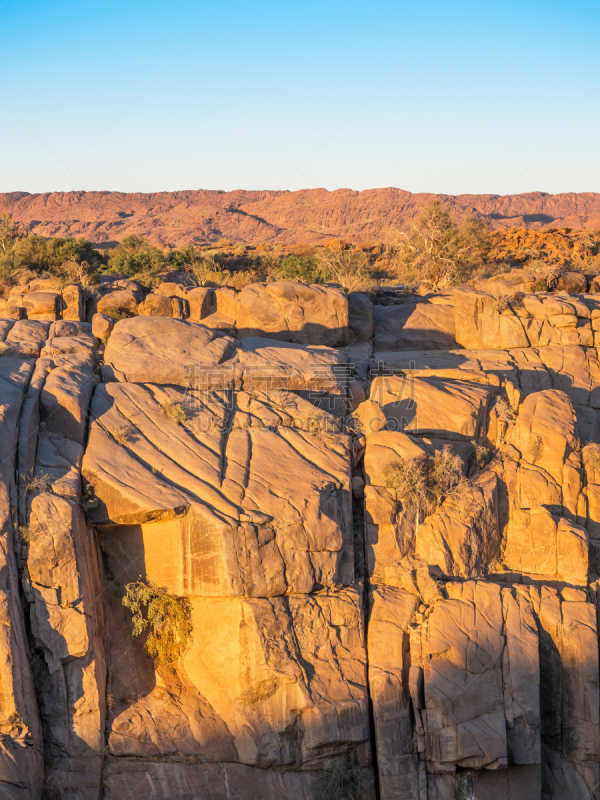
{"x": 353, "y": 614}
{"x": 258, "y": 507}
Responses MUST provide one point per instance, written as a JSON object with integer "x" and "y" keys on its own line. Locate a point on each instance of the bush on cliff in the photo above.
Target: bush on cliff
{"x": 168, "y": 618}
{"x": 425, "y": 484}
{"x": 345, "y": 781}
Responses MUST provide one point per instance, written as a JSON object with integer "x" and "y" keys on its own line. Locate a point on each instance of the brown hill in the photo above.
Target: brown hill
{"x": 310, "y": 215}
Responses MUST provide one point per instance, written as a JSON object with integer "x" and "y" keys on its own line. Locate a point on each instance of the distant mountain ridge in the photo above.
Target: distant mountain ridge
{"x": 309, "y": 215}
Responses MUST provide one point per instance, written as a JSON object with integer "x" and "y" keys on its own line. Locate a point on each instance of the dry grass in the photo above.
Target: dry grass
{"x": 504, "y": 410}
{"x": 536, "y": 447}
{"x": 174, "y": 412}
{"x": 351, "y": 268}
{"x": 284, "y": 402}
{"x": 591, "y": 456}
{"x": 502, "y": 304}
{"x": 26, "y": 532}
{"x": 37, "y": 483}
{"x": 322, "y": 428}
{"x": 122, "y": 435}
{"x": 446, "y": 477}
{"x": 71, "y": 272}
{"x": 406, "y": 481}
{"x": 426, "y": 484}
{"x": 3, "y": 348}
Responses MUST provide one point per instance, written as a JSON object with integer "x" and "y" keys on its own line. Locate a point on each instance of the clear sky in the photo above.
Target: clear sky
{"x": 452, "y": 96}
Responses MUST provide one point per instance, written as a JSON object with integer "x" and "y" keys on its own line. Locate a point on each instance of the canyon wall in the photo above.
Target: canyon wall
{"x": 250, "y": 451}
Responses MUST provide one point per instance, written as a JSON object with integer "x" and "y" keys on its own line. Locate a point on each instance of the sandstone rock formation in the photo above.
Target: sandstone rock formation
{"x": 383, "y": 521}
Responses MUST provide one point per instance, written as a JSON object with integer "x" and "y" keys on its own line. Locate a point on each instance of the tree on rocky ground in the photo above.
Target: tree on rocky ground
{"x": 10, "y": 232}
{"x": 438, "y": 249}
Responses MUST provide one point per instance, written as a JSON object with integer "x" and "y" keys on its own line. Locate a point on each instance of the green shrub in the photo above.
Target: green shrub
{"x": 464, "y": 786}
{"x": 26, "y": 532}
{"x": 480, "y": 456}
{"x": 116, "y": 313}
{"x": 89, "y": 501}
{"x": 134, "y": 255}
{"x": 539, "y": 285}
{"x": 346, "y": 781}
{"x": 10, "y": 232}
{"x": 306, "y": 269}
{"x": 39, "y": 255}
{"x": 167, "y": 617}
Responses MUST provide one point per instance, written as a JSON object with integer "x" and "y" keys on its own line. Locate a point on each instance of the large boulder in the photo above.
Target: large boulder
{"x": 572, "y": 283}
{"x": 481, "y": 324}
{"x": 291, "y": 312}
{"x": 360, "y": 317}
{"x": 161, "y": 350}
{"x": 507, "y": 283}
{"x": 414, "y": 326}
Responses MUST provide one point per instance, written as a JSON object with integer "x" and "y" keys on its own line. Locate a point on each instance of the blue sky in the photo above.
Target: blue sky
{"x": 453, "y": 96}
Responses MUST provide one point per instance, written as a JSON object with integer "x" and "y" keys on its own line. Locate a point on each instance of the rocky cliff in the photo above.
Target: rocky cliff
{"x": 311, "y": 215}
{"x": 382, "y": 520}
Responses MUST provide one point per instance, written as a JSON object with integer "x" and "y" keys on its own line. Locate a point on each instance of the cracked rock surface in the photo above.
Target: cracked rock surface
{"x": 274, "y": 457}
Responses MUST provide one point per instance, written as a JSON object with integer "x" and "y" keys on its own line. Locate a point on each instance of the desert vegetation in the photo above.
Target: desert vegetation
{"x": 346, "y": 780}
{"x": 436, "y": 248}
{"x": 427, "y": 483}
{"x": 167, "y": 618}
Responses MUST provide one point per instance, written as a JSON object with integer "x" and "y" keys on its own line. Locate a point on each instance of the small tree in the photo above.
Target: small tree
{"x": 350, "y": 268}
{"x": 134, "y": 255}
{"x": 439, "y": 249}
{"x": 10, "y": 232}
